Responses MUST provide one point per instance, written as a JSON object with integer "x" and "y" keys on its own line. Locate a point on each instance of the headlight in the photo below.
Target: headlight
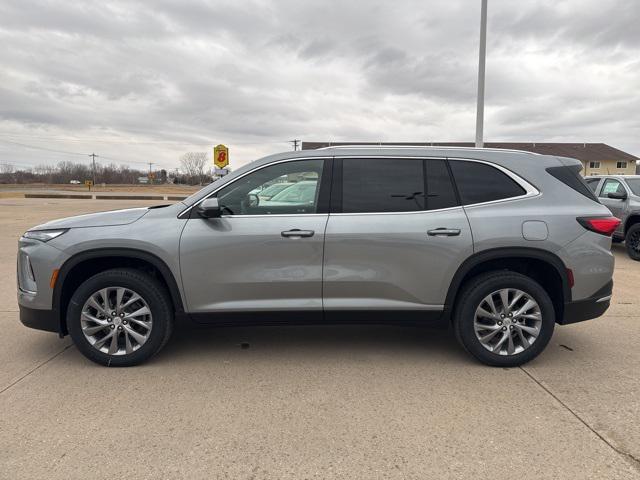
{"x": 44, "y": 235}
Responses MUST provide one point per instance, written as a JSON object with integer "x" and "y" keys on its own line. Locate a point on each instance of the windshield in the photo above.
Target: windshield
{"x": 298, "y": 193}
{"x": 634, "y": 185}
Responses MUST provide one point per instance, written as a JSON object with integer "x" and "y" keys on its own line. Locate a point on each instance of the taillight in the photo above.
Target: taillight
{"x": 602, "y": 225}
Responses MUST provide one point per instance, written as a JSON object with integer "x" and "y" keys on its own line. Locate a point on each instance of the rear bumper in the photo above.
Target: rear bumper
{"x": 40, "y": 319}
{"x": 588, "y": 308}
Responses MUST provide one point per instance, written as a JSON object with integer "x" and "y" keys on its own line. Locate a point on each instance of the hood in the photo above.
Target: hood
{"x": 101, "y": 219}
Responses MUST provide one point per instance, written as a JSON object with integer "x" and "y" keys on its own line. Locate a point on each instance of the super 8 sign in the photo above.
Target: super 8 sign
{"x": 220, "y": 156}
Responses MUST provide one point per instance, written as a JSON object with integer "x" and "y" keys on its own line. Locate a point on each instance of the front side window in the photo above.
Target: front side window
{"x": 285, "y": 188}
{"x": 479, "y": 182}
{"x": 611, "y": 186}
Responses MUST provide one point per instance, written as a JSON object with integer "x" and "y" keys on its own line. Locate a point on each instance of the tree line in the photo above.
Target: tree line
{"x": 194, "y": 170}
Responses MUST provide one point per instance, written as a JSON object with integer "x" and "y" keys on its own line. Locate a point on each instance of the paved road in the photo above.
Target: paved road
{"x": 316, "y": 402}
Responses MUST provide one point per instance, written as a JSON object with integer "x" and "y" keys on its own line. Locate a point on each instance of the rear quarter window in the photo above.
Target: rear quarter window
{"x": 479, "y": 182}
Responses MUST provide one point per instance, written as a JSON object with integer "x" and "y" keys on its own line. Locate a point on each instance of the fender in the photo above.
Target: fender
{"x": 506, "y": 252}
{"x": 133, "y": 253}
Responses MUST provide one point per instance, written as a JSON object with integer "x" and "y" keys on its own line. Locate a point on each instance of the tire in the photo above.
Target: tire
{"x": 138, "y": 336}
{"x": 540, "y": 319}
{"x": 632, "y": 241}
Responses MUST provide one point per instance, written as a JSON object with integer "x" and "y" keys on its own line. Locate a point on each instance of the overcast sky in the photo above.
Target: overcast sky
{"x": 148, "y": 81}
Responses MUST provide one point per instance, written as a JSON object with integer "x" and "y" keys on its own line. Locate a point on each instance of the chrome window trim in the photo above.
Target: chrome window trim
{"x": 530, "y": 190}
{"x": 259, "y": 167}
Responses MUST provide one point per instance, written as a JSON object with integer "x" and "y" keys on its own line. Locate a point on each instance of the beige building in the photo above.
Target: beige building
{"x": 596, "y": 158}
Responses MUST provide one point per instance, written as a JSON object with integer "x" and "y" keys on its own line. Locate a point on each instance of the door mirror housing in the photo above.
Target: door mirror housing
{"x": 617, "y": 195}
{"x": 209, "y": 208}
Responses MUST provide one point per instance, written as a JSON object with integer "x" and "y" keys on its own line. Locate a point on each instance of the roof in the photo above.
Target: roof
{"x": 582, "y": 151}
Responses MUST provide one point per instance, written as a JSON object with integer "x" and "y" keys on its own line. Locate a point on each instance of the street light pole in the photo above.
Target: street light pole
{"x": 481, "y": 68}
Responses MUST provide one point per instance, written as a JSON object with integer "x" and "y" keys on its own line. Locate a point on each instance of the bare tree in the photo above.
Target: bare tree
{"x": 194, "y": 163}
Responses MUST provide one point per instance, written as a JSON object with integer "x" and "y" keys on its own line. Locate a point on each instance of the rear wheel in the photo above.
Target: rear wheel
{"x": 632, "y": 241}
{"x": 504, "y": 318}
{"x": 120, "y": 317}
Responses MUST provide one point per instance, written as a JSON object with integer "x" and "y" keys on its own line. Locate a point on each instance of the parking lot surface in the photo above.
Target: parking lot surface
{"x": 316, "y": 402}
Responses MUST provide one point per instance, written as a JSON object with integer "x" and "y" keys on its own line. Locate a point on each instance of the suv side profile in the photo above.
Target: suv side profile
{"x": 501, "y": 245}
{"x": 621, "y": 194}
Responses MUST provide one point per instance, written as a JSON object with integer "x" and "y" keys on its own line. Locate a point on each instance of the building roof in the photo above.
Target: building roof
{"x": 582, "y": 151}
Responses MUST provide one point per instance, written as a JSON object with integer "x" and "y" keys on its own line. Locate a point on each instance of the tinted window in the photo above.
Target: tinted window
{"x": 298, "y": 183}
{"x": 593, "y": 183}
{"x": 634, "y": 185}
{"x": 478, "y": 182}
{"x": 382, "y": 185}
{"x": 440, "y": 191}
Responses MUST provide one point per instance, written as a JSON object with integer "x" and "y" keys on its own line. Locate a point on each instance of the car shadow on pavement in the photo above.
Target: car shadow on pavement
{"x": 315, "y": 340}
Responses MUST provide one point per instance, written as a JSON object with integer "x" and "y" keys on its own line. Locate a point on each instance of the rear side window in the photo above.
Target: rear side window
{"x": 592, "y": 183}
{"x": 382, "y": 185}
{"x": 570, "y": 176}
{"x": 479, "y": 182}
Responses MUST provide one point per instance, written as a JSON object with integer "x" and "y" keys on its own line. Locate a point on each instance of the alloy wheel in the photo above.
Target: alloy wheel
{"x": 116, "y": 320}
{"x": 507, "y": 321}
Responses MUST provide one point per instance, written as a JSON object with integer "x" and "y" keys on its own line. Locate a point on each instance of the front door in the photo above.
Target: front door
{"x": 616, "y": 205}
{"x": 395, "y": 237}
{"x": 265, "y": 252}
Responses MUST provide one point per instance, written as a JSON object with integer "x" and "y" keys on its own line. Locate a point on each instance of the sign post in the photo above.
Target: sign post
{"x": 220, "y": 156}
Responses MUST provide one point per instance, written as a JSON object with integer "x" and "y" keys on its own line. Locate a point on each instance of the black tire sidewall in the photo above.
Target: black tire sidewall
{"x": 477, "y": 289}
{"x": 630, "y": 251}
{"x": 150, "y": 290}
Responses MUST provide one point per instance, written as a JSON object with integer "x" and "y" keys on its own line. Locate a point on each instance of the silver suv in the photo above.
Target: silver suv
{"x": 621, "y": 194}
{"x": 501, "y": 245}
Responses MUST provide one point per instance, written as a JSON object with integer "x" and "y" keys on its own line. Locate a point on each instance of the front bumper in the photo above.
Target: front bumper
{"x": 588, "y": 308}
{"x": 40, "y": 319}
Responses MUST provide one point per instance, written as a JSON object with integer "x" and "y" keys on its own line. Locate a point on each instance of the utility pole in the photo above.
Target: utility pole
{"x": 481, "y": 69}
{"x": 150, "y": 178}
{"x": 295, "y": 144}
{"x": 93, "y": 158}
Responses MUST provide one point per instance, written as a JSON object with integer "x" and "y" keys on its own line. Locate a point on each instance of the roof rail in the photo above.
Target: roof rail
{"x": 430, "y": 147}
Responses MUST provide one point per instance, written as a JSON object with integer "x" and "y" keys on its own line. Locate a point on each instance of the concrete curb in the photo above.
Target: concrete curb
{"x": 104, "y": 197}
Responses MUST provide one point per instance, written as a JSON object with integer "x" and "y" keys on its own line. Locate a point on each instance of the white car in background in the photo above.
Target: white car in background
{"x": 273, "y": 190}
{"x": 300, "y": 193}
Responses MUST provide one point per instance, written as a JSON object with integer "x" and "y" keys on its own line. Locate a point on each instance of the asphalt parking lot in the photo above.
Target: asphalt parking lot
{"x": 316, "y": 402}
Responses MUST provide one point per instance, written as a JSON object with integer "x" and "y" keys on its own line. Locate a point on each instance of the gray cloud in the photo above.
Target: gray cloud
{"x": 141, "y": 80}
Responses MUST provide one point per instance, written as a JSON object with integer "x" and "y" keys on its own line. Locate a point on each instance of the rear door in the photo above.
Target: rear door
{"x": 395, "y": 236}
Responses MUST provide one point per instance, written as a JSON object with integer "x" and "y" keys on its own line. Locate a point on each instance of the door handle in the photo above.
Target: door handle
{"x": 444, "y": 232}
{"x": 297, "y": 233}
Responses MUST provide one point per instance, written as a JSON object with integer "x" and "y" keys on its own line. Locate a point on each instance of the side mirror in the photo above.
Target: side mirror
{"x": 209, "y": 208}
{"x": 617, "y": 195}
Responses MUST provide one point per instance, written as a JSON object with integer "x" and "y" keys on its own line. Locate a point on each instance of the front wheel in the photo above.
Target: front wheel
{"x": 504, "y": 319}
{"x": 632, "y": 241}
{"x": 120, "y": 317}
